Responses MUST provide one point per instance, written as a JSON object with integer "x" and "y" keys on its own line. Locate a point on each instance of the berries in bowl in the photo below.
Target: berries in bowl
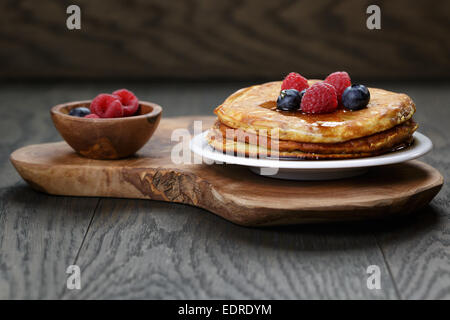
{"x": 111, "y": 126}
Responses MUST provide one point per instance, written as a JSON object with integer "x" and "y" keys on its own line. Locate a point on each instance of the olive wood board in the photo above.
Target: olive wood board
{"x": 230, "y": 191}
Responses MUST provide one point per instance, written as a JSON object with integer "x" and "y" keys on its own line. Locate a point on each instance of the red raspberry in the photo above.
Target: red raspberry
{"x": 340, "y": 81}
{"x": 92, "y": 116}
{"x": 129, "y": 101}
{"x": 319, "y": 98}
{"x": 107, "y": 106}
{"x": 294, "y": 81}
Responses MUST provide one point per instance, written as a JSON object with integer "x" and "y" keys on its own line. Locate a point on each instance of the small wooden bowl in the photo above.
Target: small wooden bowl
{"x": 106, "y": 138}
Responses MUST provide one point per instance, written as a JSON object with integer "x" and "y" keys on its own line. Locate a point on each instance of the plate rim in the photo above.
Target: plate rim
{"x": 422, "y": 145}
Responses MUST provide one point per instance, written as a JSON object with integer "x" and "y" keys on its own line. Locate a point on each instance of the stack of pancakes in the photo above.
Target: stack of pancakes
{"x": 249, "y": 124}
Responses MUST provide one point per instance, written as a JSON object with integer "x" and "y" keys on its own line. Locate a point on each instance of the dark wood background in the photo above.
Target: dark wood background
{"x": 234, "y": 39}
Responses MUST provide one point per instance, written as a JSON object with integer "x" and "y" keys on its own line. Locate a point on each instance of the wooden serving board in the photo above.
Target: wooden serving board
{"x": 230, "y": 191}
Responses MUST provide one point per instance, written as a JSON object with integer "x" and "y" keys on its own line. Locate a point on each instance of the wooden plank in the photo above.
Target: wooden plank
{"x": 153, "y": 250}
{"x": 224, "y": 39}
{"x": 39, "y": 238}
{"x": 232, "y": 192}
{"x": 417, "y": 250}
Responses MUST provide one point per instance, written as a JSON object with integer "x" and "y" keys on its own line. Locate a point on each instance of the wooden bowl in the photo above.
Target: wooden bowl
{"x": 106, "y": 138}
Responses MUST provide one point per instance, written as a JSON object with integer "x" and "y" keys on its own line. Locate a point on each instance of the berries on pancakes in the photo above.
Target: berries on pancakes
{"x": 294, "y": 81}
{"x": 319, "y": 98}
{"x": 340, "y": 80}
{"x": 356, "y": 97}
{"x": 289, "y": 100}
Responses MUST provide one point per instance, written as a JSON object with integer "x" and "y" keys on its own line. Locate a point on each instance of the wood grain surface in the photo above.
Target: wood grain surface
{"x": 232, "y": 192}
{"x": 46, "y": 233}
{"x": 151, "y": 249}
{"x": 144, "y": 249}
{"x": 236, "y": 39}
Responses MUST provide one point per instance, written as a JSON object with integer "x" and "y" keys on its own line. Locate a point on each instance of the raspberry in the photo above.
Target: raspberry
{"x": 107, "y": 106}
{"x": 294, "y": 81}
{"x": 129, "y": 101}
{"x": 340, "y": 81}
{"x": 92, "y": 116}
{"x": 319, "y": 98}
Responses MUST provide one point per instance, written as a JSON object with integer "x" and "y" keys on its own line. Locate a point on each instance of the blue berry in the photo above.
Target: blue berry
{"x": 289, "y": 100}
{"x": 356, "y": 97}
{"x": 302, "y": 93}
{"x": 79, "y": 112}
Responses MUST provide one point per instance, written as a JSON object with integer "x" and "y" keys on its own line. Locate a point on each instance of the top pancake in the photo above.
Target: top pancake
{"x": 253, "y": 109}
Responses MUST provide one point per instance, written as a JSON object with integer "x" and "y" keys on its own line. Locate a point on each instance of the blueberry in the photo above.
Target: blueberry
{"x": 79, "y": 112}
{"x": 289, "y": 100}
{"x": 302, "y": 93}
{"x": 356, "y": 97}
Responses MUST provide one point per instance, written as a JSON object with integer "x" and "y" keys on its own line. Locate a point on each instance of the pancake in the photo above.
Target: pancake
{"x": 249, "y": 150}
{"x": 385, "y": 140}
{"x": 253, "y": 110}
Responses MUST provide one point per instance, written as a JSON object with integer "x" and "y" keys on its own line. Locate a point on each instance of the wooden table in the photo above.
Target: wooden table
{"x": 149, "y": 249}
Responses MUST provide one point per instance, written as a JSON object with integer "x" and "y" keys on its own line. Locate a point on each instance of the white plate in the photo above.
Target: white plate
{"x": 307, "y": 169}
